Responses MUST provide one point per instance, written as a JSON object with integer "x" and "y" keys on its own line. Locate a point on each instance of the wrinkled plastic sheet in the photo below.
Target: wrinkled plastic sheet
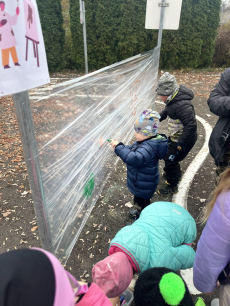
{"x": 72, "y": 125}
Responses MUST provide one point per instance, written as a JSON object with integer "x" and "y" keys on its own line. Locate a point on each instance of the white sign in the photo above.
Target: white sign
{"x": 81, "y": 13}
{"x": 23, "y": 63}
{"x": 171, "y": 14}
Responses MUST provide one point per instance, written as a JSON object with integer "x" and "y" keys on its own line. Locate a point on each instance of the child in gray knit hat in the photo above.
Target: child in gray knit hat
{"x": 182, "y": 127}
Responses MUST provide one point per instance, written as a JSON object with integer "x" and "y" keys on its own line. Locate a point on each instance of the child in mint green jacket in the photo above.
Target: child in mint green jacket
{"x": 161, "y": 237}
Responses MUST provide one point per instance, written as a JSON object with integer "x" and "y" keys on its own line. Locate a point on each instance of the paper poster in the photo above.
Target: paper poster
{"x": 23, "y": 63}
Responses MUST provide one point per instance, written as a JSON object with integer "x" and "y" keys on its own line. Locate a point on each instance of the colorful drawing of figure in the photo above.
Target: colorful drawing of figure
{"x": 31, "y": 29}
{"x": 7, "y": 39}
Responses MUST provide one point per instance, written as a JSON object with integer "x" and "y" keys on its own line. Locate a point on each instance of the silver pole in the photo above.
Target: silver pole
{"x": 26, "y": 128}
{"x": 84, "y": 36}
{"x": 161, "y": 24}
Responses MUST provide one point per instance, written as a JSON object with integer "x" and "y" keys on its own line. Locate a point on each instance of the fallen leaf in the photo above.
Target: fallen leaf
{"x": 129, "y": 205}
{"x": 6, "y": 214}
{"x": 87, "y": 233}
{"x": 203, "y": 200}
{"x": 34, "y": 228}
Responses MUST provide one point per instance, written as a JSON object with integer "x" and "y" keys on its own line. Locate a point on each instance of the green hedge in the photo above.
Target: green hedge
{"x": 221, "y": 56}
{"x": 50, "y": 12}
{"x": 116, "y": 30}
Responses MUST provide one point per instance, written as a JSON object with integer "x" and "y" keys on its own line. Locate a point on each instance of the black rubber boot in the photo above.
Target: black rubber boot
{"x": 129, "y": 223}
{"x": 168, "y": 190}
{"x": 134, "y": 213}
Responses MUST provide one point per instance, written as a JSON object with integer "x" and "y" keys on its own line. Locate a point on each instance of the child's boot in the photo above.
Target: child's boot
{"x": 135, "y": 212}
{"x": 168, "y": 190}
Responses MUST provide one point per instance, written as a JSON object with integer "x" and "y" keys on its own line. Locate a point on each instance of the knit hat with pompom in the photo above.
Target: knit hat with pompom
{"x": 161, "y": 287}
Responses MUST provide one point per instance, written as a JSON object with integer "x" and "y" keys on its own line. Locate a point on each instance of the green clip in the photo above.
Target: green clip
{"x": 109, "y": 140}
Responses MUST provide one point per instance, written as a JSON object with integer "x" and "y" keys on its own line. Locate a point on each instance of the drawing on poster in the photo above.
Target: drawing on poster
{"x": 8, "y": 41}
{"x": 31, "y": 29}
{"x": 22, "y": 45}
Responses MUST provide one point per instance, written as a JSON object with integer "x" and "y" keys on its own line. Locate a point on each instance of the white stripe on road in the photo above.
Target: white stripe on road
{"x": 181, "y": 197}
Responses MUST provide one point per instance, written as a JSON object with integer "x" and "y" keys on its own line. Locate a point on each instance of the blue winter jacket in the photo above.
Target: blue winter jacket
{"x": 158, "y": 238}
{"x": 142, "y": 164}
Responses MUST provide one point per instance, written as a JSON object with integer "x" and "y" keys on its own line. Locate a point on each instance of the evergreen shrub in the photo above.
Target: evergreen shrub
{"x": 116, "y": 30}
{"x": 50, "y": 12}
{"x": 222, "y": 46}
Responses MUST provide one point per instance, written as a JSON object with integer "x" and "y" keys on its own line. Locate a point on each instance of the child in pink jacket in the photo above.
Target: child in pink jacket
{"x": 35, "y": 277}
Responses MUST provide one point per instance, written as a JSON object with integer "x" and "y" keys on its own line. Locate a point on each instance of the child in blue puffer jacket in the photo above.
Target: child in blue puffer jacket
{"x": 142, "y": 159}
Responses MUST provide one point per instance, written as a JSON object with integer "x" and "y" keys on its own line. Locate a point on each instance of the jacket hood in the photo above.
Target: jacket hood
{"x": 184, "y": 93}
{"x": 159, "y": 145}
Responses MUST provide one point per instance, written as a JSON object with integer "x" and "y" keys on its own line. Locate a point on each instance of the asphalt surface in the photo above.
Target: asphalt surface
{"x": 18, "y": 227}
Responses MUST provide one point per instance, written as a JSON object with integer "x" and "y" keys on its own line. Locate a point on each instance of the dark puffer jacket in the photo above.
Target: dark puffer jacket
{"x": 180, "y": 107}
{"x": 219, "y": 104}
{"x": 142, "y": 164}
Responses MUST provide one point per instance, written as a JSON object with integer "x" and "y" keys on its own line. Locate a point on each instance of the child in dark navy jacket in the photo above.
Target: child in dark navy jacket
{"x": 142, "y": 159}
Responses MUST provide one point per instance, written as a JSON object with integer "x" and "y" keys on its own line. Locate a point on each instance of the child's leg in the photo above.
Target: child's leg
{"x": 172, "y": 167}
{"x": 173, "y": 172}
{"x": 139, "y": 204}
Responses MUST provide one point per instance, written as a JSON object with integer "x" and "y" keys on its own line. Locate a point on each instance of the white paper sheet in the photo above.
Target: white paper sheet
{"x": 23, "y": 63}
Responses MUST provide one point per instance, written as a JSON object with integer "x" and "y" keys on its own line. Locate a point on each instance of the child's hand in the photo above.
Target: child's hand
{"x": 114, "y": 143}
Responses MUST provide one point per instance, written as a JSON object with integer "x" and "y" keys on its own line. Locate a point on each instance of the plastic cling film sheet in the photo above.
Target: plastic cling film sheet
{"x": 72, "y": 126}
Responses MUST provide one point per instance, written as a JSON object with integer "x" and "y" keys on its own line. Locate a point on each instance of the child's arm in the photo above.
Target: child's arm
{"x": 133, "y": 158}
{"x": 163, "y": 115}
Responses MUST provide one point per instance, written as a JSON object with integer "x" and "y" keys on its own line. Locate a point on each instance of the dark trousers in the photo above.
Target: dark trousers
{"x": 141, "y": 202}
{"x": 224, "y": 163}
{"x": 172, "y": 159}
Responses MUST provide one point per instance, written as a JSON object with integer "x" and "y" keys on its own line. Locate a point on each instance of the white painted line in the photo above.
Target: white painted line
{"x": 187, "y": 276}
{"x": 181, "y": 197}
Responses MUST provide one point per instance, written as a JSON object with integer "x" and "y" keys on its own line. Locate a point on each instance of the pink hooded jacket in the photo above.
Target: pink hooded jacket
{"x": 64, "y": 295}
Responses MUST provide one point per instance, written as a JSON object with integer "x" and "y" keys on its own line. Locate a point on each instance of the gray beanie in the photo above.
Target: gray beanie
{"x": 166, "y": 85}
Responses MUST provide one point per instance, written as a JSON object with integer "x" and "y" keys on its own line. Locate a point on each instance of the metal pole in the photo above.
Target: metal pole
{"x": 26, "y": 128}
{"x": 161, "y": 24}
{"x": 84, "y": 36}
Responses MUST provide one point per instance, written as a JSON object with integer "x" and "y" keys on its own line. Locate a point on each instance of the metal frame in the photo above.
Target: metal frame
{"x": 161, "y": 23}
{"x": 84, "y": 36}
{"x": 26, "y": 128}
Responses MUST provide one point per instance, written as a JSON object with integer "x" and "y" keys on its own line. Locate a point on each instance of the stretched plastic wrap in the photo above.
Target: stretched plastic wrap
{"x": 72, "y": 125}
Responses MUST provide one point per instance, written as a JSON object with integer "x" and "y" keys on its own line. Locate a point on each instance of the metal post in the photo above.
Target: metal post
{"x": 26, "y": 128}
{"x": 161, "y": 24}
{"x": 84, "y": 36}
